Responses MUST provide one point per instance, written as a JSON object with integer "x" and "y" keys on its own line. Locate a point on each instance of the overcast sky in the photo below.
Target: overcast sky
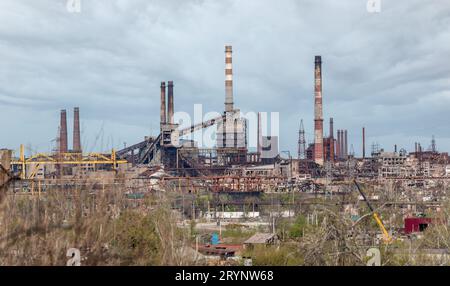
{"x": 387, "y": 71}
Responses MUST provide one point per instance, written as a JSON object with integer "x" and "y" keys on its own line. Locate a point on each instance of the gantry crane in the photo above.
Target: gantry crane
{"x": 64, "y": 159}
{"x": 386, "y": 236}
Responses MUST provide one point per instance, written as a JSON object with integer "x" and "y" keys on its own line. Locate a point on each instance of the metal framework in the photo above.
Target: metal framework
{"x": 65, "y": 159}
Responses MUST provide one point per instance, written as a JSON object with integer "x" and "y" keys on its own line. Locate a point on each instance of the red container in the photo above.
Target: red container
{"x": 417, "y": 224}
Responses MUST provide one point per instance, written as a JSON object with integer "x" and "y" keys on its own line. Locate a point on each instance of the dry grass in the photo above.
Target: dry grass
{"x": 104, "y": 225}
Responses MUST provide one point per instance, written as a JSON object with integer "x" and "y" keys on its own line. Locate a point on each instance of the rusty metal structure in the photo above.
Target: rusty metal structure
{"x": 229, "y": 183}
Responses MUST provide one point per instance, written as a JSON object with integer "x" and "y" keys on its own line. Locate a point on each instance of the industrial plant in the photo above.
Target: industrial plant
{"x": 231, "y": 198}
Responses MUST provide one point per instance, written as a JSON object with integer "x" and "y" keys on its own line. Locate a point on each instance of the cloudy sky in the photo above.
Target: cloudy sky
{"x": 387, "y": 71}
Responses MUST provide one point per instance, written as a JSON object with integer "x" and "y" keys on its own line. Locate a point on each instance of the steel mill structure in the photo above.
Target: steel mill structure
{"x": 169, "y": 149}
{"x": 232, "y": 181}
{"x": 181, "y": 157}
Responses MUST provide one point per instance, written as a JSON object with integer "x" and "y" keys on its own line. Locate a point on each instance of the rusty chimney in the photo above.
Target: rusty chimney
{"x": 163, "y": 103}
{"x": 76, "y": 130}
{"x": 63, "y": 132}
{"x": 228, "y": 79}
{"x": 170, "y": 110}
{"x": 331, "y": 140}
{"x": 338, "y": 144}
{"x": 364, "y": 143}
{"x": 318, "y": 119}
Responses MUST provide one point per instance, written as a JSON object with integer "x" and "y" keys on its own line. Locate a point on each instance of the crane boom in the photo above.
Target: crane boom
{"x": 386, "y": 236}
{"x": 202, "y": 125}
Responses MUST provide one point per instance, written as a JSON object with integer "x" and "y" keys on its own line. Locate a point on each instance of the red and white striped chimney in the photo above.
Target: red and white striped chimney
{"x": 228, "y": 79}
{"x": 318, "y": 117}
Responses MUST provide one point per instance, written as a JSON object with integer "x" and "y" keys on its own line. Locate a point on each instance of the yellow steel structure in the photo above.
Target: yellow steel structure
{"x": 22, "y": 160}
{"x": 65, "y": 159}
{"x": 34, "y": 171}
{"x": 386, "y": 236}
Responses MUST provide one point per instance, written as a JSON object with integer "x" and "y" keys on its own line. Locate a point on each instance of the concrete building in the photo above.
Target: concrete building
{"x": 392, "y": 165}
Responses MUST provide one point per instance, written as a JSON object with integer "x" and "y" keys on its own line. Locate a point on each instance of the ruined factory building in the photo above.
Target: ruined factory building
{"x": 262, "y": 238}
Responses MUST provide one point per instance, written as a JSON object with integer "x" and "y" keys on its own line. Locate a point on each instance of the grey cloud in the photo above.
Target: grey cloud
{"x": 387, "y": 71}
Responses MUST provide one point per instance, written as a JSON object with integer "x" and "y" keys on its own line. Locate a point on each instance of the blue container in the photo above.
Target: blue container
{"x": 215, "y": 239}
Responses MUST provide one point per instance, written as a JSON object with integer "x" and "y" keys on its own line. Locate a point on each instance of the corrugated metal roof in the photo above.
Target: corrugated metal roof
{"x": 260, "y": 238}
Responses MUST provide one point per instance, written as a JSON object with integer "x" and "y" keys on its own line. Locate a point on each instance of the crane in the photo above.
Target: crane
{"x": 386, "y": 236}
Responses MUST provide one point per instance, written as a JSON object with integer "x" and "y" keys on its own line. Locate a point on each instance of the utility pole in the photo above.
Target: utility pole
{"x": 363, "y": 142}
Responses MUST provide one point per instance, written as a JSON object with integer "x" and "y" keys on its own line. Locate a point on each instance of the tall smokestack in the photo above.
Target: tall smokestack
{"x": 170, "y": 103}
{"x": 331, "y": 140}
{"x": 163, "y": 103}
{"x": 318, "y": 119}
{"x": 63, "y": 132}
{"x": 364, "y": 143}
{"x": 338, "y": 144}
{"x": 345, "y": 144}
{"x": 76, "y": 130}
{"x": 228, "y": 79}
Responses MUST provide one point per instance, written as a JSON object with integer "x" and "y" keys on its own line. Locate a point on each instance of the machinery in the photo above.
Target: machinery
{"x": 386, "y": 236}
